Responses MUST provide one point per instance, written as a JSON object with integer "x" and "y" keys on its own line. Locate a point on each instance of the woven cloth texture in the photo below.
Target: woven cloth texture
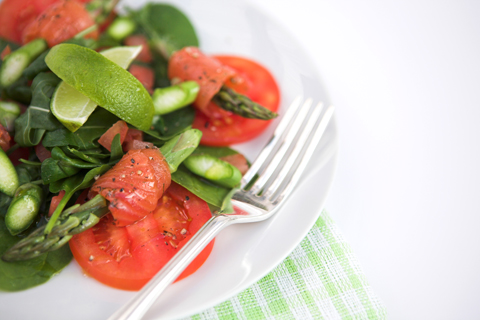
{"x": 320, "y": 279}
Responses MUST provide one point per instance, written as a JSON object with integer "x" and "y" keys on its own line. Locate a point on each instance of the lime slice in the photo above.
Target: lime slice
{"x": 92, "y": 79}
{"x": 71, "y": 107}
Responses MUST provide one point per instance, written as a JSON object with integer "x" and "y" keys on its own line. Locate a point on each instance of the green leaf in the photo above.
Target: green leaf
{"x": 21, "y": 275}
{"x": 58, "y": 154}
{"x": 167, "y": 27}
{"x": 31, "y": 126}
{"x": 117, "y": 151}
{"x": 72, "y": 152}
{"x": 37, "y": 66}
{"x": 19, "y": 91}
{"x": 84, "y": 138}
{"x": 55, "y": 170}
{"x": 175, "y": 122}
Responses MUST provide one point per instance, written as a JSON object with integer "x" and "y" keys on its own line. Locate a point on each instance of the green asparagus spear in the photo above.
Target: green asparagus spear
{"x": 72, "y": 221}
{"x": 24, "y": 208}
{"x": 239, "y": 104}
{"x": 15, "y": 62}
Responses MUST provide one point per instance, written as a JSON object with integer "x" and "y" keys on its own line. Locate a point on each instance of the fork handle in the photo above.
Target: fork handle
{"x": 144, "y": 299}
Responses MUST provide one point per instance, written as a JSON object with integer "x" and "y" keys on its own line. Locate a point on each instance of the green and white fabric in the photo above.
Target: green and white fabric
{"x": 321, "y": 279}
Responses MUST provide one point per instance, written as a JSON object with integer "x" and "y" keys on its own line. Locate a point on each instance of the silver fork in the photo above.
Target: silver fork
{"x": 263, "y": 190}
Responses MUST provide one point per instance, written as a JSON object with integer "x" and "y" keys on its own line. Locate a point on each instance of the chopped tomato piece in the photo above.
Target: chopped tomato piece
{"x": 59, "y": 22}
{"x": 119, "y": 127}
{"x": 191, "y": 64}
{"x": 137, "y": 144}
{"x": 55, "y": 201}
{"x": 4, "y": 139}
{"x": 252, "y": 80}
{"x": 132, "y": 134}
{"x": 15, "y": 15}
{"x": 42, "y": 152}
{"x": 5, "y": 52}
{"x": 237, "y": 160}
{"x": 128, "y": 257}
{"x": 145, "y": 75}
{"x": 134, "y": 185}
{"x": 139, "y": 40}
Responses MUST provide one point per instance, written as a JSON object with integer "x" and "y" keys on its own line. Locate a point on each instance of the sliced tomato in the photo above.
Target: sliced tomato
{"x": 59, "y": 22}
{"x": 139, "y": 40}
{"x": 143, "y": 74}
{"x": 15, "y": 15}
{"x": 128, "y": 257}
{"x": 134, "y": 185}
{"x": 252, "y": 80}
{"x": 120, "y": 127}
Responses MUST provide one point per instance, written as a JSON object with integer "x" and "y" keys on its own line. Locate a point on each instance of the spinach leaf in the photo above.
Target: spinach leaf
{"x": 175, "y": 122}
{"x": 117, "y": 151}
{"x": 58, "y": 154}
{"x": 166, "y": 26}
{"x": 37, "y": 66}
{"x": 15, "y": 276}
{"x": 86, "y": 136}
{"x": 19, "y": 91}
{"x": 32, "y": 125}
{"x": 55, "y": 170}
{"x": 72, "y": 152}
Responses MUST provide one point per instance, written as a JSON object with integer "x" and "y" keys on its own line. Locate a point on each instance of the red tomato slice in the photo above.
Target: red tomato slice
{"x": 128, "y": 257}
{"x": 252, "y": 80}
{"x": 119, "y": 127}
{"x": 59, "y": 22}
{"x": 15, "y": 15}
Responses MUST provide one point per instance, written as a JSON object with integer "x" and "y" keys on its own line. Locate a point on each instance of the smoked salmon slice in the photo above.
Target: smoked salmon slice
{"x": 134, "y": 185}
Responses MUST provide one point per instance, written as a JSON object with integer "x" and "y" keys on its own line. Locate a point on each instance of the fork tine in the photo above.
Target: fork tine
{"x": 293, "y": 153}
{"x": 272, "y": 143}
{"x": 297, "y": 171}
{"x": 279, "y": 155}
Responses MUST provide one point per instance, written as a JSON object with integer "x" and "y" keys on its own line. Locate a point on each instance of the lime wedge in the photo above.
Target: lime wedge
{"x": 92, "y": 79}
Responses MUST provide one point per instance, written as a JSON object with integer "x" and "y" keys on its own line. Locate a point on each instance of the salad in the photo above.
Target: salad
{"x": 124, "y": 166}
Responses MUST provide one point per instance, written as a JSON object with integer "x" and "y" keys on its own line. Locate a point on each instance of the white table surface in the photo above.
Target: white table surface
{"x": 405, "y": 78}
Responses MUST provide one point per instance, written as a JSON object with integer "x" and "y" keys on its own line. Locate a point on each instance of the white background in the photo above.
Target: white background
{"x": 405, "y": 78}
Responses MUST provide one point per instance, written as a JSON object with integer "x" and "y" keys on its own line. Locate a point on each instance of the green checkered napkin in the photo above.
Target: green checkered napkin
{"x": 321, "y": 279}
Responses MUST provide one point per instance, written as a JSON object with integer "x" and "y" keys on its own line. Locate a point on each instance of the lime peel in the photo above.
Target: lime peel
{"x": 102, "y": 81}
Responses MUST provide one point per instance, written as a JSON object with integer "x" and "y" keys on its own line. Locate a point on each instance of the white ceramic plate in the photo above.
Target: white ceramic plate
{"x": 242, "y": 253}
